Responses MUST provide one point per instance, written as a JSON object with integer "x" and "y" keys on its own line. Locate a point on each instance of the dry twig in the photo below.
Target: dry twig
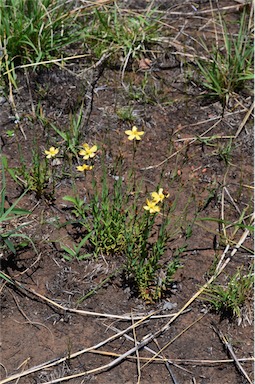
{"x": 232, "y": 354}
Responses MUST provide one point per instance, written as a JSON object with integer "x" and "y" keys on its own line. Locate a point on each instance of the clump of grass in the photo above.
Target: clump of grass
{"x": 228, "y": 66}
{"x": 229, "y": 300}
{"x": 107, "y": 217}
{"x": 39, "y": 175}
{"x": 33, "y": 31}
{"x": 126, "y": 114}
{"x": 123, "y": 35}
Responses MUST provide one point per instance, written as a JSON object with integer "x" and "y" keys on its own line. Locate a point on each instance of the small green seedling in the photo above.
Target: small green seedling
{"x": 75, "y": 252}
{"x": 10, "y": 133}
{"x": 10, "y": 214}
{"x": 79, "y": 206}
{"x": 72, "y": 134}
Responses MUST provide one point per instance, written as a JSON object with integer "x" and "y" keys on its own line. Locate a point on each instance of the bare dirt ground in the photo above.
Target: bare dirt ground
{"x": 40, "y": 321}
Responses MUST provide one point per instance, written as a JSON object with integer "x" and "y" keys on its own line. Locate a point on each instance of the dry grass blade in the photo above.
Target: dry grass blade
{"x": 233, "y": 202}
{"x": 82, "y": 312}
{"x": 201, "y": 362}
{"x": 137, "y": 355}
{"x": 236, "y": 247}
{"x": 175, "y": 338}
{"x": 175, "y": 361}
{"x": 246, "y": 117}
{"x": 229, "y": 348}
{"x": 230, "y": 8}
{"x": 171, "y": 341}
{"x": 203, "y": 135}
{"x": 52, "y": 61}
{"x": 184, "y": 146}
{"x": 34, "y": 323}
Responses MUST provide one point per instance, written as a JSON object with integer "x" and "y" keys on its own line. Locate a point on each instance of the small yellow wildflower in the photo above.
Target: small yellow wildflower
{"x": 88, "y": 151}
{"x": 134, "y": 134}
{"x": 151, "y": 206}
{"x": 158, "y": 196}
{"x": 52, "y": 152}
{"x": 84, "y": 167}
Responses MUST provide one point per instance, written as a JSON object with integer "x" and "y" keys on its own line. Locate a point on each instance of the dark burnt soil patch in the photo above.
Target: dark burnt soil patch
{"x": 38, "y": 318}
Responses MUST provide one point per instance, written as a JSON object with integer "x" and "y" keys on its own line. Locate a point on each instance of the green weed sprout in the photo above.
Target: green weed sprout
{"x": 126, "y": 114}
{"x": 75, "y": 251}
{"x": 72, "y": 134}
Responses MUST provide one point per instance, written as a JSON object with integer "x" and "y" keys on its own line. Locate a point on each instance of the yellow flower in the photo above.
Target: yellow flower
{"x": 84, "y": 167}
{"x": 88, "y": 151}
{"x": 151, "y": 206}
{"x": 134, "y": 134}
{"x": 158, "y": 196}
{"x": 52, "y": 152}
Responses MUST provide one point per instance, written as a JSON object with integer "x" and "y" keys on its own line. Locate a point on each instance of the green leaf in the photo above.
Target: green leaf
{"x": 5, "y": 277}
{"x": 68, "y": 250}
{"x": 83, "y": 257}
{"x": 62, "y": 134}
{"x": 84, "y": 240}
{"x": 10, "y": 245}
{"x": 6, "y": 214}
{"x": 70, "y": 199}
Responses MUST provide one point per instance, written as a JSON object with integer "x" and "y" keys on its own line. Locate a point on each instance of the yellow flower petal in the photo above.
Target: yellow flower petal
{"x": 158, "y": 196}
{"x": 84, "y": 167}
{"x": 51, "y": 152}
{"x": 151, "y": 206}
{"x": 134, "y": 134}
{"x": 88, "y": 152}
{"x": 93, "y": 148}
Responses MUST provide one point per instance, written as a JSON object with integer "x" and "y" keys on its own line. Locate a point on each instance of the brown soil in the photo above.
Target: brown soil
{"x": 171, "y": 112}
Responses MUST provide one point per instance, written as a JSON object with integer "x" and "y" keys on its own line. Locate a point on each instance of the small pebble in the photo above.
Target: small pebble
{"x": 169, "y": 306}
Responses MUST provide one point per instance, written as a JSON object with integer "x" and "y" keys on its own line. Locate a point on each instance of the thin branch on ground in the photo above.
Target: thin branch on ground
{"x": 159, "y": 358}
{"x": 171, "y": 341}
{"x": 168, "y": 367}
{"x": 82, "y": 312}
{"x": 232, "y": 354}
